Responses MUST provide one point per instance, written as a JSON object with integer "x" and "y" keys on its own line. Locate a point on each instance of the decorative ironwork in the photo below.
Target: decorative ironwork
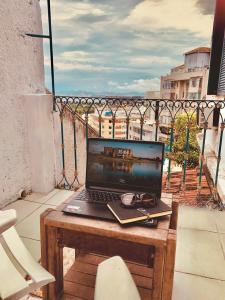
{"x": 123, "y": 112}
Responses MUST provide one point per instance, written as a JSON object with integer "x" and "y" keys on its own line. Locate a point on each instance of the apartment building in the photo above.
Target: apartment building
{"x": 189, "y": 80}
{"x": 147, "y": 133}
{"x": 120, "y": 128}
{"x": 107, "y": 124}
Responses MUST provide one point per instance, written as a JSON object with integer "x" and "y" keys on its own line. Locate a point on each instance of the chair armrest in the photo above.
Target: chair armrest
{"x": 7, "y": 219}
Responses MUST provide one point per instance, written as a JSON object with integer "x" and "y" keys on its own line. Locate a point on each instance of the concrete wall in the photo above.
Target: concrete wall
{"x": 211, "y": 154}
{"x": 21, "y": 73}
{"x": 69, "y": 144}
{"x": 197, "y": 60}
{"x": 40, "y": 141}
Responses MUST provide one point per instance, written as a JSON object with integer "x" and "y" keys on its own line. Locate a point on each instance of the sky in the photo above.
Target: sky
{"x": 122, "y": 47}
{"x": 139, "y": 150}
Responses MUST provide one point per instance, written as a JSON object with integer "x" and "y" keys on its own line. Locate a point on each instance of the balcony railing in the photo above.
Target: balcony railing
{"x": 156, "y": 120}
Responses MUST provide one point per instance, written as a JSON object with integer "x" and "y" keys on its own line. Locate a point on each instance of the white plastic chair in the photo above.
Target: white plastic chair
{"x": 16, "y": 263}
{"x": 114, "y": 281}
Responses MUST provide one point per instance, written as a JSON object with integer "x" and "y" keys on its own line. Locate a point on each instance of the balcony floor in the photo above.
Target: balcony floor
{"x": 200, "y": 258}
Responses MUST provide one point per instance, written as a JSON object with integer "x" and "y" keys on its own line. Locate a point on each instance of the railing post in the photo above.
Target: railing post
{"x": 51, "y": 50}
{"x": 202, "y": 156}
{"x": 141, "y": 127}
{"x": 170, "y": 149}
{"x": 219, "y": 153}
{"x": 86, "y": 127}
{"x": 186, "y": 152}
{"x": 127, "y": 131}
{"x": 62, "y": 145}
{"x": 100, "y": 126}
{"x": 156, "y": 120}
{"x": 113, "y": 124}
{"x": 75, "y": 148}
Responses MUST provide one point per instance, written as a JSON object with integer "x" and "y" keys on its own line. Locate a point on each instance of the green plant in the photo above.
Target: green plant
{"x": 183, "y": 148}
{"x": 82, "y": 109}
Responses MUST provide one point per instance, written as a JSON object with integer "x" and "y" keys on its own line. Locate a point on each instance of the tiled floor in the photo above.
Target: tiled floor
{"x": 28, "y": 213}
{"x": 200, "y": 258}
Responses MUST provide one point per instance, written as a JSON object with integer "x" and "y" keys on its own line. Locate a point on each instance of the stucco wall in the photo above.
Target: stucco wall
{"x": 21, "y": 73}
{"x": 211, "y": 153}
{"x": 68, "y": 133}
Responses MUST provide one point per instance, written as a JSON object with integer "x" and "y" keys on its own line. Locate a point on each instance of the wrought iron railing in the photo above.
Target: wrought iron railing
{"x": 138, "y": 118}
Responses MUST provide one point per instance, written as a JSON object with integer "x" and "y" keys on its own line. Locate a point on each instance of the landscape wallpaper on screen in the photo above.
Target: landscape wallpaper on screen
{"x": 125, "y": 164}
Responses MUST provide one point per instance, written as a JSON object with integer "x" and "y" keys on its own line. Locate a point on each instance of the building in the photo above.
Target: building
{"x": 189, "y": 80}
{"x": 118, "y": 152}
{"x": 107, "y": 124}
{"x": 147, "y": 130}
{"x": 121, "y": 123}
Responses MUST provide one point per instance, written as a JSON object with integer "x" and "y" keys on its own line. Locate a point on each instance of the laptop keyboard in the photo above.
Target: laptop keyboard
{"x": 97, "y": 196}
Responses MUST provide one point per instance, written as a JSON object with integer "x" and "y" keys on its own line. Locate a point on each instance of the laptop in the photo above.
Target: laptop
{"x": 115, "y": 167}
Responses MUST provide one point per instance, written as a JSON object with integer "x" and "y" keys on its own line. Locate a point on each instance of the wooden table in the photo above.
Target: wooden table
{"x": 149, "y": 253}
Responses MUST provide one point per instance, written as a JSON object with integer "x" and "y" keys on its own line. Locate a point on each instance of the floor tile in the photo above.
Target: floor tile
{"x": 30, "y": 227}
{"x": 196, "y": 218}
{"x": 191, "y": 287}
{"x": 220, "y": 220}
{"x": 200, "y": 253}
{"x": 34, "y": 247}
{"x": 222, "y": 239}
{"x": 60, "y": 197}
{"x": 34, "y": 197}
{"x": 23, "y": 208}
{"x": 68, "y": 258}
{"x": 41, "y": 198}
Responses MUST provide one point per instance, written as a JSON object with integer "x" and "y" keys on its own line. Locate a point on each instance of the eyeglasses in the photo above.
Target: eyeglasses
{"x": 131, "y": 200}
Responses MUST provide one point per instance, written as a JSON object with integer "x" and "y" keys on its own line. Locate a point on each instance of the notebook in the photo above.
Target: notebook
{"x": 129, "y": 215}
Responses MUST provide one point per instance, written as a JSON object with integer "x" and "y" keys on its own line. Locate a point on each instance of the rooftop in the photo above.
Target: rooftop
{"x": 199, "y": 50}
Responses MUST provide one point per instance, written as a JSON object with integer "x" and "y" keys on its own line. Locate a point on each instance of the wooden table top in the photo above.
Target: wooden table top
{"x": 138, "y": 234}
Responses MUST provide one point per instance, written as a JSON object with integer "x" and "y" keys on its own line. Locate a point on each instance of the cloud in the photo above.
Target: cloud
{"x": 84, "y": 61}
{"x": 63, "y": 12}
{"x": 75, "y": 21}
{"x": 149, "y": 60}
{"x": 125, "y": 43}
{"x": 65, "y": 66}
{"x": 180, "y": 15}
{"x": 138, "y": 85}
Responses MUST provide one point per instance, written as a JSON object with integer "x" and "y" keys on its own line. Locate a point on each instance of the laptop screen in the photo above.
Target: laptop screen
{"x": 125, "y": 165}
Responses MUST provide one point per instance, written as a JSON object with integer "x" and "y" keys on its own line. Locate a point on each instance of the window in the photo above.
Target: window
{"x": 166, "y": 84}
{"x": 173, "y": 84}
{"x": 194, "y": 82}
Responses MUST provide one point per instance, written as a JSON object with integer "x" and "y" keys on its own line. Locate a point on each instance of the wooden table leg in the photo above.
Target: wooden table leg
{"x": 52, "y": 260}
{"x": 158, "y": 273}
{"x": 169, "y": 266}
{"x": 55, "y": 264}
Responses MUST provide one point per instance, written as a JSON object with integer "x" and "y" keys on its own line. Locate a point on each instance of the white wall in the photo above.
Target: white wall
{"x": 21, "y": 73}
{"x": 197, "y": 60}
{"x": 211, "y": 154}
